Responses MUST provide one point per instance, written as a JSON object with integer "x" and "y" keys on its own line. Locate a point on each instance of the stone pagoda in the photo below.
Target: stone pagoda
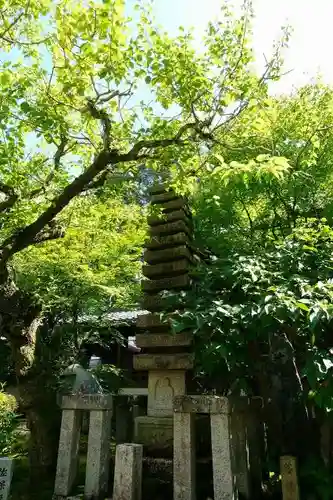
{"x": 166, "y": 356}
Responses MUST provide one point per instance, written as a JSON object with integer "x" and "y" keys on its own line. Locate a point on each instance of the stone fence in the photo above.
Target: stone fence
{"x": 236, "y": 435}
{"x": 97, "y": 469}
{"x": 231, "y": 435}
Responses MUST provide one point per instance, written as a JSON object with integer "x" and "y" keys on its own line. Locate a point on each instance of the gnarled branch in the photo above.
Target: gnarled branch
{"x": 11, "y": 199}
{"x": 28, "y": 234}
{"x": 60, "y": 152}
{"x": 51, "y": 232}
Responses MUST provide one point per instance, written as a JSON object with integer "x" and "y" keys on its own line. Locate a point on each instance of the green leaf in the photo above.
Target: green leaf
{"x": 302, "y": 306}
{"x": 25, "y": 107}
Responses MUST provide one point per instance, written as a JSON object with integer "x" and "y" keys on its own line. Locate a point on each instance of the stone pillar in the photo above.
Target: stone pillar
{"x": 169, "y": 258}
{"x": 289, "y": 480}
{"x": 184, "y": 457}
{"x": 67, "y": 464}
{"x": 123, "y": 419}
{"x": 223, "y": 479}
{"x": 98, "y": 458}
{"x": 256, "y": 441}
{"x": 219, "y": 410}
{"x": 99, "y": 407}
{"x": 128, "y": 472}
{"x": 239, "y": 443}
{"x": 6, "y": 474}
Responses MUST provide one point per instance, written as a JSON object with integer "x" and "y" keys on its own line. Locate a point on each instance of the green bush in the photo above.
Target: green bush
{"x": 8, "y": 420}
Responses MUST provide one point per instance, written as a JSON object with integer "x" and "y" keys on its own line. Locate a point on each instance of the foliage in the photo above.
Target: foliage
{"x": 77, "y": 96}
{"x": 109, "y": 376}
{"x": 244, "y": 205}
{"x": 261, "y": 309}
{"x": 7, "y": 421}
{"x": 272, "y": 267}
{"x": 95, "y": 267}
{"x": 317, "y": 479}
{"x": 286, "y": 288}
{"x": 89, "y": 99}
{"x": 6, "y": 365}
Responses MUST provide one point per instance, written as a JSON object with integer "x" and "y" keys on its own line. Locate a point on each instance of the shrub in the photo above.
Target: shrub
{"x": 8, "y": 420}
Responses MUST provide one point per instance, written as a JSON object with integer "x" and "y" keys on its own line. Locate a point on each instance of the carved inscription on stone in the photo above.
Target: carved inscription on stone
{"x": 288, "y": 469}
{"x": 6, "y": 471}
{"x": 163, "y": 394}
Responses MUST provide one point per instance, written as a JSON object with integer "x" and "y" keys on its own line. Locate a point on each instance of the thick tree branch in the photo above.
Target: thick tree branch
{"x": 108, "y": 95}
{"x": 8, "y": 203}
{"x": 60, "y": 152}
{"x": 101, "y": 114}
{"x": 8, "y": 190}
{"x": 11, "y": 199}
{"x": 52, "y": 232}
{"x": 27, "y": 235}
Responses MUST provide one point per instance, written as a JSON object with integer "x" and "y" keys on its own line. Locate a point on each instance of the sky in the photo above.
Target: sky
{"x": 311, "y": 44}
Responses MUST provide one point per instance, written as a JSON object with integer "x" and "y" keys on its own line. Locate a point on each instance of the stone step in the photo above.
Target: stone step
{"x": 148, "y": 321}
{"x": 182, "y": 361}
{"x": 179, "y": 203}
{"x": 159, "y": 188}
{"x": 169, "y": 254}
{"x": 161, "y": 242}
{"x": 169, "y": 228}
{"x": 169, "y": 217}
{"x": 163, "y": 339}
{"x": 178, "y": 282}
{"x": 168, "y": 269}
{"x": 163, "y": 197}
{"x": 156, "y": 302}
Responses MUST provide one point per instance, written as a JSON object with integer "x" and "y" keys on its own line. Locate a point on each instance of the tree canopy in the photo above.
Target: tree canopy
{"x": 262, "y": 308}
{"x": 95, "y": 105}
{"x": 91, "y": 96}
{"x": 95, "y": 267}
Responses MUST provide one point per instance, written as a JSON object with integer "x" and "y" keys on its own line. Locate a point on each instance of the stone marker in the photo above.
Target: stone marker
{"x": 169, "y": 258}
{"x": 183, "y": 457}
{"x": 289, "y": 481}
{"x": 162, "y": 387}
{"x": 219, "y": 409}
{"x": 128, "y": 472}
{"x": 6, "y": 472}
{"x": 100, "y": 410}
{"x": 123, "y": 419}
{"x": 97, "y": 469}
{"x": 68, "y": 453}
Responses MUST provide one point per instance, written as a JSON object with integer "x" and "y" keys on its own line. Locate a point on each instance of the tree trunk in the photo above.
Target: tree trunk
{"x": 287, "y": 419}
{"x": 44, "y": 437}
{"x": 20, "y": 319}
